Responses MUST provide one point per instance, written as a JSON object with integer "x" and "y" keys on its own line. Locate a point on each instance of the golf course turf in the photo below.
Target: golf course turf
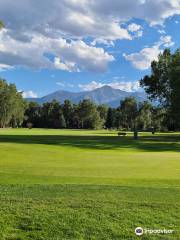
{"x": 80, "y": 184}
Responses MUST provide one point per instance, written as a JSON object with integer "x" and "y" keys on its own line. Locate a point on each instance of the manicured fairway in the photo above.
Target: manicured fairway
{"x": 70, "y": 184}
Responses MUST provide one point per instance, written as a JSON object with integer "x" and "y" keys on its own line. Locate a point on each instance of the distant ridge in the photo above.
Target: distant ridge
{"x": 104, "y": 95}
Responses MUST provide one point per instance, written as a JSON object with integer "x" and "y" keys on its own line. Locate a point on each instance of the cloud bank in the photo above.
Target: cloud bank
{"x": 37, "y": 29}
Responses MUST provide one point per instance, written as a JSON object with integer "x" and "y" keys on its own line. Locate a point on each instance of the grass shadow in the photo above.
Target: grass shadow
{"x": 145, "y": 143}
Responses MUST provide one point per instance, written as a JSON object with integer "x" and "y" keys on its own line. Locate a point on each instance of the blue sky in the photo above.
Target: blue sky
{"x": 79, "y": 45}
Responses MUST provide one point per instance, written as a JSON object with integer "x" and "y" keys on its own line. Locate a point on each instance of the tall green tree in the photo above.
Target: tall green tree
{"x": 144, "y": 118}
{"x": 52, "y": 115}
{"x": 129, "y": 112}
{"x": 12, "y": 105}
{"x": 175, "y": 86}
{"x": 88, "y": 115}
{"x": 110, "y": 119}
{"x": 118, "y": 119}
{"x": 160, "y": 119}
{"x": 33, "y": 115}
{"x": 103, "y": 111}
{"x": 68, "y": 113}
{"x": 164, "y": 83}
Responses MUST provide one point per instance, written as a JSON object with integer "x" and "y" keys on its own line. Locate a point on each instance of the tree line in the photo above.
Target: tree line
{"x": 163, "y": 84}
{"x": 130, "y": 115}
{"x": 86, "y": 115}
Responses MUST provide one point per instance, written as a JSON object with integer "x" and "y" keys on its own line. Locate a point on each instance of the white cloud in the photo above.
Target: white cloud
{"x": 67, "y": 66}
{"x": 139, "y": 33}
{"x": 96, "y": 41}
{"x": 177, "y": 22}
{"x": 60, "y": 84}
{"x": 60, "y": 18}
{"x": 29, "y": 94}
{"x": 68, "y": 56}
{"x": 153, "y": 11}
{"x": 166, "y": 41}
{"x": 161, "y": 31}
{"x": 142, "y": 60}
{"x": 133, "y": 27}
{"x": 65, "y": 84}
{"x": 91, "y": 86}
{"x": 4, "y": 67}
{"x": 82, "y": 18}
{"x": 124, "y": 86}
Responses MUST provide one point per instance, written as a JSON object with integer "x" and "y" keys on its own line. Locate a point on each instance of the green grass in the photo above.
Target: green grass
{"x": 70, "y": 184}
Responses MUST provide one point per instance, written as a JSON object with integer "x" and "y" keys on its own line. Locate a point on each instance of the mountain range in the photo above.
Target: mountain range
{"x": 104, "y": 95}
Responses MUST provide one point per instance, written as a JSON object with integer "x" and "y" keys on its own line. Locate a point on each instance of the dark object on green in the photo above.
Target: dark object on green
{"x": 122, "y": 134}
{"x": 153, "y": 130}
{"x": 135, "y": 135}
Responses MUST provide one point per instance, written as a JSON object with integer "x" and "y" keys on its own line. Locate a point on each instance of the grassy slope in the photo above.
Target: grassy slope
{"x": 144, "y": 176}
